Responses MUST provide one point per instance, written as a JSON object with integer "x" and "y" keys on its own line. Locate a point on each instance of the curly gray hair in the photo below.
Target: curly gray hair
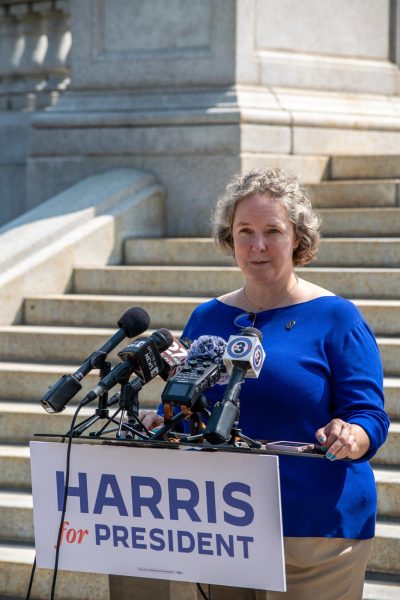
{"x": 281, "y": 186}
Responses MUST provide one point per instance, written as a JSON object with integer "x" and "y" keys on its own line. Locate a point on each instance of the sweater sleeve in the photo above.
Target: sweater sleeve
{"x": 357, "y": 384}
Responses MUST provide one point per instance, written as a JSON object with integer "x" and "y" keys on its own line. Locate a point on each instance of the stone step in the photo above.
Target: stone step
{"x": 16, "y": 516}
{"x": 20, "y": 421}
{"x": 171, "y": 312}
{"x": 102, "y": 310}
{"x": 15, "y": 471}
{"x": 365, "y": 167}
{"x": 350, "y": 282}
{"x": 30, "y": 343}
{"x": 386, "y": 548}
{"x": 392, "y": 396}
{"x": 360, "y": 222}
{"x": 390, "y": 352}
{"x": 349, "y": 252}
{"x": 388, "y": 486}
{"x": 361, "y": 252}
{"x": 312, "y": 168}
{"x": 174, "y": 251}
{"x": 29, "y": 381}
{"x": 15, "y": 569}
{"x": 351, "y": 194}
{"x": 389, "y": 453}
{"x": 15, "y": 475}
{"x": 16, "y": 523}
{"x": 16, "y": 563}
{"x": 379, "y": 589}
{"x": 57, "y": 344}
{"x": 382, "y": 315}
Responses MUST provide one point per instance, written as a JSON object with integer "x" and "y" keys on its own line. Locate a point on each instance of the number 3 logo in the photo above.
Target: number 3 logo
{"x": 239, "y": 347}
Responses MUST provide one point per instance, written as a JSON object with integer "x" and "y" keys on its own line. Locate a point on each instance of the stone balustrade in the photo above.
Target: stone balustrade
{"x": 35, "y": 42}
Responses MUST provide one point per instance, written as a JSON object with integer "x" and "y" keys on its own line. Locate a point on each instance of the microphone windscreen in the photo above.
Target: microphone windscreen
{"x": 169, "y": 338}
{"x": 208, "y": 347}
{"x": 135, "y": 321}
{"x": 212, "y": 348}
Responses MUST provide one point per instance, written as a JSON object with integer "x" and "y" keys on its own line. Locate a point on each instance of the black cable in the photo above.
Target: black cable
{"x": 67, "y": 469}
{"x": 202, "y": 591}
{"x": 28, "y": 595}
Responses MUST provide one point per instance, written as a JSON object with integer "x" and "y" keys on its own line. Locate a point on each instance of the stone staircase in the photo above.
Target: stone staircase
{"x": 359, "y": 258}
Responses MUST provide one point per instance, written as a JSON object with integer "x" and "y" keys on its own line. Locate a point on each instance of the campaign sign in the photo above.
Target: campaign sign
{"x": 211, "y": 517}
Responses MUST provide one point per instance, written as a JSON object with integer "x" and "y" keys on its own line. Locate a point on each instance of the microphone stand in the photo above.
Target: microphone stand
{"x": 97, "y": 361}
{"x": 129, "y": 404}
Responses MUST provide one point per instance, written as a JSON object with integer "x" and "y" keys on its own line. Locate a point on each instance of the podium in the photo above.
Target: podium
{"x": 167, "y": 515}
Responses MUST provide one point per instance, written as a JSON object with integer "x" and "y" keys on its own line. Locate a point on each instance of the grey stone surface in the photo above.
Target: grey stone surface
{"x": 87, "y": 222}
{"x": 198, "y": 281}
{"x": 308, "y": 140}
{"x": 191, "y": 189}
{"x": 314, "y": 28}
{"x": 307, "y": 52}
{"x": 364, "y": 167}
{"x": 339, "y": 194}
{"x": 12, "y": 191}
{"x": 187, "y": 44}
{"x": 15, "y": 568}
{"x": 360, "y": 222}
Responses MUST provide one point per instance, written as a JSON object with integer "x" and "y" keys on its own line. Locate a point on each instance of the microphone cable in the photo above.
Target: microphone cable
{"x": 66, "y": 483}
{"x": 202, "y": 592}
{"x": 28, "y": 594}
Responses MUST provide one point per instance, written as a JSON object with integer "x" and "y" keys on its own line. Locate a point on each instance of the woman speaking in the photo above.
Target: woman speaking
{"x": 322, "y": 378}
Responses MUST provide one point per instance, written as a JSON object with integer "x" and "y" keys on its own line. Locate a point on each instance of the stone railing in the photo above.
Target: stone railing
{"x": 35, "y": 41}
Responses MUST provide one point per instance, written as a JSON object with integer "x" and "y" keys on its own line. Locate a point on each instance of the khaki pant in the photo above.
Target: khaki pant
{"x": 316, "y": 568}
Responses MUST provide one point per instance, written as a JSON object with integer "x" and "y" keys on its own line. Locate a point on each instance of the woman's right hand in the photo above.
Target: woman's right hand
{"x": 151, "y": 419}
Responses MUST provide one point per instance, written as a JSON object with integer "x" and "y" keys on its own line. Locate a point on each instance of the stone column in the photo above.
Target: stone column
{"x": 197, "y": 91}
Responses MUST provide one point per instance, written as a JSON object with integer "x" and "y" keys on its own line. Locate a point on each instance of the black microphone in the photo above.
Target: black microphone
{"x": 132, "y": 323}
{"x": 141, "y": 357}
{"x": 244, "y": 356}
{"x": 145, "y": 354}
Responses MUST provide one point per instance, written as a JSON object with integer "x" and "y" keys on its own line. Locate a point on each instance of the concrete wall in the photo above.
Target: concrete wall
{"x": 197, "y": 91}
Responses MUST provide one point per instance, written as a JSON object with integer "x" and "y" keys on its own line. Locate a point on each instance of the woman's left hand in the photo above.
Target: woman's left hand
{"x": 343, "y": 440}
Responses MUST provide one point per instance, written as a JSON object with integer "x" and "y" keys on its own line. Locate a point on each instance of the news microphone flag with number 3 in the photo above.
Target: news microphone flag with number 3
{"x": 244, "y": 349}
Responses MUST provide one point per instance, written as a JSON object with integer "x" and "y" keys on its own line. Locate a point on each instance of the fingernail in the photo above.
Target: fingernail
{"x": 323, "y": 448}
{"x": 321, "y": 439}
{"x": 330, "y": 456}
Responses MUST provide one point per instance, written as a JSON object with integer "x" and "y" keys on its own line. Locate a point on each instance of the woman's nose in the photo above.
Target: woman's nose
{"x": 259, "y": 242}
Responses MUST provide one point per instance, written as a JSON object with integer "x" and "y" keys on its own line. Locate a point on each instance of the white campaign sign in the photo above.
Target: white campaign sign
{"x": 211, "y": 517}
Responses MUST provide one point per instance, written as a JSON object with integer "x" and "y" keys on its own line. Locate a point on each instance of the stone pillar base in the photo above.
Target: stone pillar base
{"x": 140, "y": 588}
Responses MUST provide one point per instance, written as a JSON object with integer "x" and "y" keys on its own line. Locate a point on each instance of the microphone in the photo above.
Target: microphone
{"x": 132, "y": 323}
{"x": 202, "y": 369}
{"x": 244, "y": 356}
{"x": 245, "y": 347}
{"x": 174, "y": 357}
{"x": 141, "y": 356}
{"x": 145, "y": 354}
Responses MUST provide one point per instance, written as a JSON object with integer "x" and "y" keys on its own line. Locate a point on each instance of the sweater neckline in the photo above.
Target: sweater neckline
{"x": 279, "y": 308}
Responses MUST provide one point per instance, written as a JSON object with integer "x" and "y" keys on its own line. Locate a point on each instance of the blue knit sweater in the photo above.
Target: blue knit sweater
{"x": 327, "y": 365}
